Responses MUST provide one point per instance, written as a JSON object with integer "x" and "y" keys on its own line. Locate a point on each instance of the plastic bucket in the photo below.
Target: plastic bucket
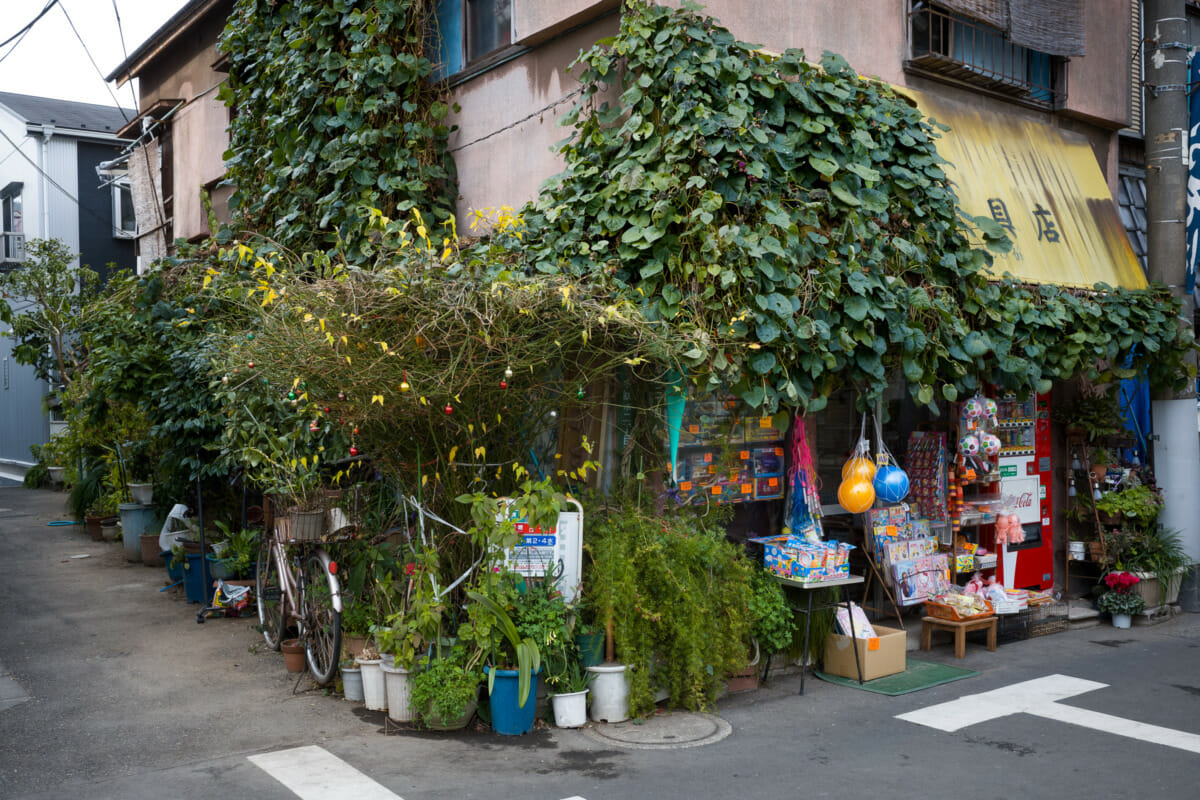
{"x": 136, "y": 519}
{"x": 570, "y": 710}
{"x": 174, "y": 571}
{"x": 193, "y": 579}
{"x": 352, "y": 683}
{"x": 610, "y": 693}
{"x": 374, "y": 693}
{"x": 508, "y": 718}
{"x": 399, "y": 691}
{"x": 591, "y": 648}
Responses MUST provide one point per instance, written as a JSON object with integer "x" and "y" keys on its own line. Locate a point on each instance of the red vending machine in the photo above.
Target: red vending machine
{"x": 1025, "y": 480}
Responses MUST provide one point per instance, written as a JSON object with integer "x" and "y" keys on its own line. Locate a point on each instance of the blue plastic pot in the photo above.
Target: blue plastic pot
{"x": 175, "y": 571}
{"x": 193, "y": 579}
{"x": 508, "y": 718}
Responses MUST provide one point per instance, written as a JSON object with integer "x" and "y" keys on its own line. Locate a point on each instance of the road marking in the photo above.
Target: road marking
{"x": 1039, "y": 697}
{"x": 313, "y": 773}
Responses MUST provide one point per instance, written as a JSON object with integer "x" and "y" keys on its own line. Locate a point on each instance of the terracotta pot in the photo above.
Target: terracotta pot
{"x": 293, "y": 655}
{"x": 93, "y": 524}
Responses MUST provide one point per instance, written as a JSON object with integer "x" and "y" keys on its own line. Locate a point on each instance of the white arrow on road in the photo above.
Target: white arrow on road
{"x": 1040, "y": 697}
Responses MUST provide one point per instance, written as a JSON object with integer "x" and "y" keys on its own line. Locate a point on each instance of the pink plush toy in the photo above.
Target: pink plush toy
{"x": 1008, "y": 529}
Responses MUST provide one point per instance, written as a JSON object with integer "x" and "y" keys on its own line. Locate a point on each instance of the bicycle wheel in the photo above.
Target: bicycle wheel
{"x": 268, "y": 590}
{"x": 322, "y": 624}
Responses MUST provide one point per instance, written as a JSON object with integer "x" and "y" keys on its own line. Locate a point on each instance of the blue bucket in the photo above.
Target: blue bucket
{"x": 508, "y": 718}
{"x": 175, "y": 571}
{"x": 193, "y": 579}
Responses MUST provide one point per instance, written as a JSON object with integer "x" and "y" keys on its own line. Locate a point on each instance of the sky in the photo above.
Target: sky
{"x": 51, "y": 61}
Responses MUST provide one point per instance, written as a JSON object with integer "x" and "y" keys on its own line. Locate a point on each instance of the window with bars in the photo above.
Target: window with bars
{"x": 1131, "y": 203}
{"x": 949, "y": 45}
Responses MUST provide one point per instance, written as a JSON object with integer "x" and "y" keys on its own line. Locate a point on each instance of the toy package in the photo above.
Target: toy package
{"x": 862, "y": 626}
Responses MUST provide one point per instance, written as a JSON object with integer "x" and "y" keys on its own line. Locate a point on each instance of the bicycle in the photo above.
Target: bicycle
{"x": 296, "y": 581}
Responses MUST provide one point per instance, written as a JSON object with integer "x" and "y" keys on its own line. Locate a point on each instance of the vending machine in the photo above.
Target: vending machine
{"x": 1025, "y": 480}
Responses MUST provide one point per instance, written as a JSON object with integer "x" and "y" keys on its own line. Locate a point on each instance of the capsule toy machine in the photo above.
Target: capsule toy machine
{"x": 1023, "y": 427}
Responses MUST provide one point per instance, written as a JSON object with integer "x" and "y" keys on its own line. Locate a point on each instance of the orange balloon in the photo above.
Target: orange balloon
{"x": 859, "y": 467}
{"x": 856, "y": 496}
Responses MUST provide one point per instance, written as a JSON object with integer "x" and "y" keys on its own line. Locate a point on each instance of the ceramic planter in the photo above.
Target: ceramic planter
{"x": 293, "y": 655}
{"x": 434, "y": 722}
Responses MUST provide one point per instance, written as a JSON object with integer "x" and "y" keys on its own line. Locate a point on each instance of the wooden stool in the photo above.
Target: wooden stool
{"x": 960, "y": 632}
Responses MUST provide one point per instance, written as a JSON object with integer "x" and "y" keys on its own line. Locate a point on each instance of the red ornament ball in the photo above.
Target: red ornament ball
{"x": 353, "y": 451}
{"x": 250, "y": 365}
{"x": 449, "y": 409}
{"x": 503, "y": 384}
{"x": 326, "y": 409}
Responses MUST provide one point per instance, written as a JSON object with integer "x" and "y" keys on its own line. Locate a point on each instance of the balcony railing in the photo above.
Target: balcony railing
{"x": 947, "y": 45}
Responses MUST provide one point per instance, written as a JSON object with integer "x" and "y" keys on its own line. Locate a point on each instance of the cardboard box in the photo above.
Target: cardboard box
{"x": 882, "y": 655}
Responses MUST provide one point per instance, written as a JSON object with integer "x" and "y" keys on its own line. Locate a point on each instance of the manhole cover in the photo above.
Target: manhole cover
{"x": 671, "y": 731}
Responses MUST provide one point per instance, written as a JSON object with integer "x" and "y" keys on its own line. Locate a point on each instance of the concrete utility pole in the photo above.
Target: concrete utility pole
{"x": 1176, "y": 441}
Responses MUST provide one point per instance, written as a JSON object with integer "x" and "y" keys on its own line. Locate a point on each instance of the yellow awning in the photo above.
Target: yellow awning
{"x": 1044, "y": 186}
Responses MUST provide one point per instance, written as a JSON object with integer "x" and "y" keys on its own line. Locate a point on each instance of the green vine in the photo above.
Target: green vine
{"x": 335, "y": 114}
{"x": 795, "y": 225}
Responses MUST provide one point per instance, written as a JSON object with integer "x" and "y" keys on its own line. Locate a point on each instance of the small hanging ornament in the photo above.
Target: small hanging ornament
{"x": 404, "y": 387}
{"x": 503, "y": 384}
{"x": 508, "y": 373}
{"x": 353, "y": 451}
{"x": 449, "y": 409}
{"x": 341, "y": 395}
{"x": 250, "y": 365}
{"x": 579, "y": 393}
{"x": 225, "y": 379}
{"x": 314, "y": 427}
{"x": 355, "y": 431}
{"x": 250, "y": 337}
{"x": 326, "y": 409}
{"x": 295, "y": 403}
{"x": 291, "y": 395}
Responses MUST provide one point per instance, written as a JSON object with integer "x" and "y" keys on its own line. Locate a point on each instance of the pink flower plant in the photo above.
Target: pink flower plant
{"x": 1122, "y": 582}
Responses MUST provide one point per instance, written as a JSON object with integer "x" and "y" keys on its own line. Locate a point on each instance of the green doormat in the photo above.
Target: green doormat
{"x": 919, "y": 675}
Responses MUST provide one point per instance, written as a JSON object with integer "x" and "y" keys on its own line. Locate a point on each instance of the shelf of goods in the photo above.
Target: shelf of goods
{"x": 724, "y": 457}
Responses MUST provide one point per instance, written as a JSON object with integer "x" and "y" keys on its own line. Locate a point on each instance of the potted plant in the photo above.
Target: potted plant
{"x": 445, "y": 690}
{"x": 514, "y": 663}
{"x": 407, "y": 634}
{"x": 1120, "y": 600}
{"x": 1134, "y": 506}
{"x": 1156, "y": 557}
{"x": 569, "y": 699}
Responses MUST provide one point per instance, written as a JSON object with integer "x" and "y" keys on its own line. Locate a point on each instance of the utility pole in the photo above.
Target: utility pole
{"x": 1176, "y": 439}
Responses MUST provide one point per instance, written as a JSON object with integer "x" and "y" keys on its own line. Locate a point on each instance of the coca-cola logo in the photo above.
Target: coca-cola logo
{"x": 1025, "y": 500}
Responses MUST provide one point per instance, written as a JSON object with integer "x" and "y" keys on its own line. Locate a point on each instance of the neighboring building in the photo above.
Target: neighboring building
{"x": 180, "y": 130}
{"x": 50, "y": 187}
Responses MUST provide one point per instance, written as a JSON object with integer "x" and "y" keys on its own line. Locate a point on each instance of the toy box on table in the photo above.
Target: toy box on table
{"x": 794, "y": 557}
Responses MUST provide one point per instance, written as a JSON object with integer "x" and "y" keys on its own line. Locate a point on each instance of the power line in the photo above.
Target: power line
{"x": 49, "y": 5}
{"x": 83, "y": 44}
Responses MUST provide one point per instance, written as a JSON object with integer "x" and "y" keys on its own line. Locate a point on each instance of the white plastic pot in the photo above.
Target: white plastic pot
{"x": 610, "y": 693}
{"x": 570, "y": 709}
{"x": 374, "y": 691}
{"x": 399, "y": 691}
{"x": 1122, "y": 620}
{"x": 352, "y": 685}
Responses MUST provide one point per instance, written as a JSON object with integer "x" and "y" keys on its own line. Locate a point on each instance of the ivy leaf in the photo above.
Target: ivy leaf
{"x": 925, "y": 395}
{"x": 843, "y": 193}
{"x": 767, "y": 330}
{"x": 856, "y": 308}
{"x": 763, "y": 363}
{"x": 755, "y": 397}
{"x": 825, "y": 166}
{"x": 949, "y": 392}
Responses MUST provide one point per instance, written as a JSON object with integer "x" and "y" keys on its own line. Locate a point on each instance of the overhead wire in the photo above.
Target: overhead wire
{"x": 96, "y": 66}
{"x": 160, "y": 212}
{"x": 46, "y": 10}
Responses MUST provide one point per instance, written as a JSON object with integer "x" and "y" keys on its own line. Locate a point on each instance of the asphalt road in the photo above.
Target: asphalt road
{"x": 109, "y": 689}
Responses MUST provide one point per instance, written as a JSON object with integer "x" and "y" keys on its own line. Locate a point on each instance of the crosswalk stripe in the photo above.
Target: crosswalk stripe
{"x": 313, "y": 773}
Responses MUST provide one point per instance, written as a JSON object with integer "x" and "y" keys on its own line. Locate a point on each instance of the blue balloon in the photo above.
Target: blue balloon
{"x": 891, "y": 484}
